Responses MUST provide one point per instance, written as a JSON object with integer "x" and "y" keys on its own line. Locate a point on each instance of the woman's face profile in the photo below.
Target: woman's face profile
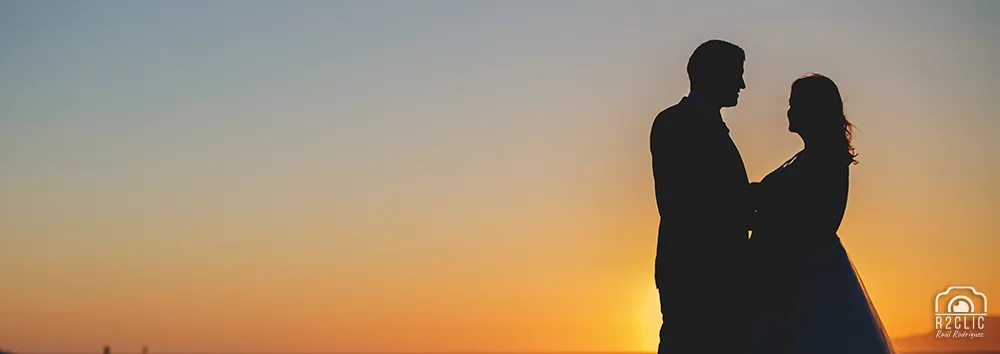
{"x": 794, "y": 116}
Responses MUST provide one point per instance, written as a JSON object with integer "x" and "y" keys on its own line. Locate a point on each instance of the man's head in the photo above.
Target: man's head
{"x": 716, "y": 72}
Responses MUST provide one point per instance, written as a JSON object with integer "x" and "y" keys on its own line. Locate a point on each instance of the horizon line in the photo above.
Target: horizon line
{"x": 368, "y": 352}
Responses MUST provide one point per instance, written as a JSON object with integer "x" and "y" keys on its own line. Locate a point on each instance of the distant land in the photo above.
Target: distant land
{"x": 905, "y": 349}
{"x": 929, "y": 343}
{"x": 926, "y": 343}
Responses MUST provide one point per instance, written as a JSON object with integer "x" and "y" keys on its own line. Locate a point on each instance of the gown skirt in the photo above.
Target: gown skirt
{"x": 811, "y": 300}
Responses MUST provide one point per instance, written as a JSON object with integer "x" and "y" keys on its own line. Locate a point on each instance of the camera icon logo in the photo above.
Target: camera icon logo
{"x": 960, "y": 300}
{"x": 960, "y": 312}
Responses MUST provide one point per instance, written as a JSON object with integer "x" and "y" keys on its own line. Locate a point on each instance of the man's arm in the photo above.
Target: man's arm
{"x": 685, "y": 192}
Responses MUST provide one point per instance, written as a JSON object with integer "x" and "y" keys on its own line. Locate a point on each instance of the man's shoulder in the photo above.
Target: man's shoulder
{"x": 680, "y": 114}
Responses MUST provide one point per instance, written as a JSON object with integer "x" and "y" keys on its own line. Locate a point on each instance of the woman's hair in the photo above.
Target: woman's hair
{"x": 819, "y": 99}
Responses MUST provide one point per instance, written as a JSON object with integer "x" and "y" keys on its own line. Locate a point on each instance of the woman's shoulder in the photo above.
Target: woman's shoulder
{"x": 805, "y": 163}
{"x": 826, "y": 159}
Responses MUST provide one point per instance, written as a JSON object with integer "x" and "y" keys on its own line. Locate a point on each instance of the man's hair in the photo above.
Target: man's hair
{"x": 712, "y": 55}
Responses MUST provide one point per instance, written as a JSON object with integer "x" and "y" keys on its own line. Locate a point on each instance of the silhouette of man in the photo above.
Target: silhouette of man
{"x": 701, "y": 193}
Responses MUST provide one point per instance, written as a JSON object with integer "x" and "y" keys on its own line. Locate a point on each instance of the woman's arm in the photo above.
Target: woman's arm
{"x": 825, "y": 195}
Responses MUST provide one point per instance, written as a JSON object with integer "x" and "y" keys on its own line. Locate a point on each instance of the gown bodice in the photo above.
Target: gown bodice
{"x": 802, "y": 202}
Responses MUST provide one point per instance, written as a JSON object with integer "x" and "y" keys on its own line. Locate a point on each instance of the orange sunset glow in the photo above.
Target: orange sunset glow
{"x": 446, "y": 176}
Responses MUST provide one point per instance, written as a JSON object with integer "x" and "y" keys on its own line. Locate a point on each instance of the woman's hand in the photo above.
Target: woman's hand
{"x": 754, "y": 201}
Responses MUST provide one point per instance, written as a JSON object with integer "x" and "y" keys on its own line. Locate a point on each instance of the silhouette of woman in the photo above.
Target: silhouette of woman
{"x": 814, "y": 301}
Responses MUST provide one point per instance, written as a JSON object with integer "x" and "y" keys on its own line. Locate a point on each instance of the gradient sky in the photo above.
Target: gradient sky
{"x": 445, "y": 175}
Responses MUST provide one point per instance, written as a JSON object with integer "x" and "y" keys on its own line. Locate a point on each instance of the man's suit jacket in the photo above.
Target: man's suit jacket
{"x": 702, "y": 194}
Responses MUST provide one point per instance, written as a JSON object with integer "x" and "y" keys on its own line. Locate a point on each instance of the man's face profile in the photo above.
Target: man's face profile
{"x": 729, "y": 82}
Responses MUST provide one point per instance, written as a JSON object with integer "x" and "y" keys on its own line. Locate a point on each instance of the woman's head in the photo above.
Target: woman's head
{"x": 816, "y": 112}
